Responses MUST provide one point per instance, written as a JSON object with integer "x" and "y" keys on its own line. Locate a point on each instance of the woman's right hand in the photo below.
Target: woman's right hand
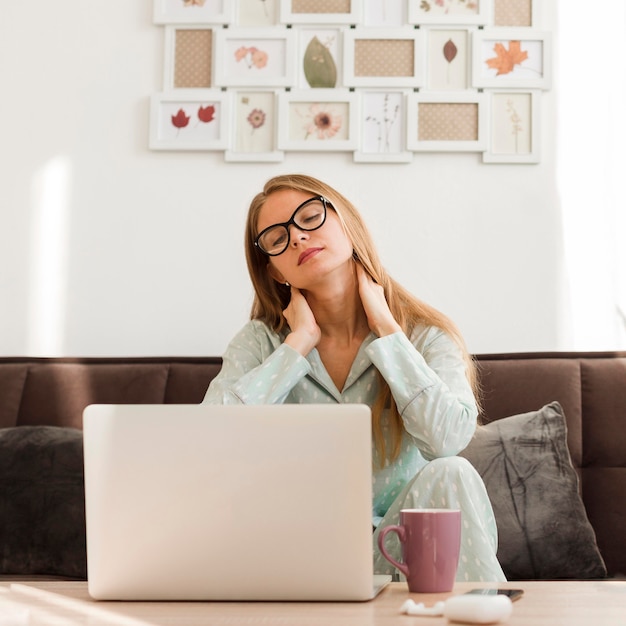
{"x": 305, "y": 333}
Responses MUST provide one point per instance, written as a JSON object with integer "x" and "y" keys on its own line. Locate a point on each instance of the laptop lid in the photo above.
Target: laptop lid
{"x": 212, "y": 502}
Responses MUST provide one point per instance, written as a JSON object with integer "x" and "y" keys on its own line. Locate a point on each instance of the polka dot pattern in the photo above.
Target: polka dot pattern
{"x": 192, "y": 67}
{"x": 513, "y": 13}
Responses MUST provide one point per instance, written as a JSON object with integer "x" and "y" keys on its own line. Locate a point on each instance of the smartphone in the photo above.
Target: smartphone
{"x": 512, "y": 594}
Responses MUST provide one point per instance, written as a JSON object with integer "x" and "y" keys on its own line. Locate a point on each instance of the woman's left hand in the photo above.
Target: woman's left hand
{"x": 379, "y": 316}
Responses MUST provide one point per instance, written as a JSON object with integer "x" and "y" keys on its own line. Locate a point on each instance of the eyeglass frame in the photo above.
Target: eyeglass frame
{"x": 325, "y": 203}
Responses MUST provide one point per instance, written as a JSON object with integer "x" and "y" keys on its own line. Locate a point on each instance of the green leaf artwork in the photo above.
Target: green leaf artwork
{"x": 319, "y": 66}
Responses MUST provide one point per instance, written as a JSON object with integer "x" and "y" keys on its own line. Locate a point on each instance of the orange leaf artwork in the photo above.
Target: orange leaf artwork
{"x": 506, "y": 60}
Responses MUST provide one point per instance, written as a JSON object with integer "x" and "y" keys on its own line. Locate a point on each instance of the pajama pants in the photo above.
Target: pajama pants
{"x": 449, "y": 483}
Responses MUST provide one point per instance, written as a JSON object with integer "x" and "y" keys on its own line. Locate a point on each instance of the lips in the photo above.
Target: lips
{"x": 307, "y": 254}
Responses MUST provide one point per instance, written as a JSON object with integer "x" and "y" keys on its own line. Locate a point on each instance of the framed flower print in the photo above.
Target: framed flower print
{"x": 254, "y": 57}
{"x": 254, "y": 126}
{"x": 320, "y": 119}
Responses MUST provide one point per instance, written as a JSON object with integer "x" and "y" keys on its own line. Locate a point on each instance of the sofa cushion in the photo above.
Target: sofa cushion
{"x": 543, "y": 529}
{"x": 42, "y": 502}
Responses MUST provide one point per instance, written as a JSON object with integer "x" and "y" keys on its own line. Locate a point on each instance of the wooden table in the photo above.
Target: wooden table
{"x": 571, "y": 603}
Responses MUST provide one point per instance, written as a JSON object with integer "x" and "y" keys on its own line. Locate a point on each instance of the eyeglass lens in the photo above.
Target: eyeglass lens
{"x": 308, "y": 216}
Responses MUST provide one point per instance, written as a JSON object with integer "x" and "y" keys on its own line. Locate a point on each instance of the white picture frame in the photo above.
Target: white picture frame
{"x": 254, "y": 126}
{"x": 200, "y": 77}
{"x": 447, "y": 122}
{"x": 448, "y": 58}
{"x": 255, "y": 57}
{"x": 516, "y": 10}
{"x": 194, "y": 119}
{"x": 450, "y": 12}
{"x": 193, "y": 12}
{"x": 319, "y": 45}
{"x": 384, "y": 13}
{"x": 317, "y": 120}
{"x": 352, "y": 16}
{"x": 514, "y": 128}
{"x": 257, "y": 13}
{"x": 511, "y": 58}
{"x": 382, "y": 126}
{"x": 360, "y": 51}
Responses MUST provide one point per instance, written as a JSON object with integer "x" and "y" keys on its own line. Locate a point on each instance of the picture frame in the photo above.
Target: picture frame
{"x": 507, "y": 58}
{"x": 514, "y": 134}
{"x": 194, "y": 119}
{"x": 449, "y": 58}
{"x": 254, "y": 117}
{"x": 514, "y": 13}
{"x": 319, "y": 57}
{"x": 381, "y": 57}
{"x": 447, "y": 122}
{"x": 246, "y": 57}
{"x": 193, "y": 11}
{"x": 305, "y": 12}
{"x": 257, "y": 13}
{"x": 384, "y": 13}
{"x": 449, "y": 12}
{"x": 382, "y": 126}
{"x": 317, "y": 120}
{"x": 188, "y": 60}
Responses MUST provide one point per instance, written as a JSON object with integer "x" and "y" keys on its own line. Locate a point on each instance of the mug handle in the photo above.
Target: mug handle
{"x": 399, "y": 530}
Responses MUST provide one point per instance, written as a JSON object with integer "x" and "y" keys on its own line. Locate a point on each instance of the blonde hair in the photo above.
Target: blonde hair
{"x": 272, "y": 297}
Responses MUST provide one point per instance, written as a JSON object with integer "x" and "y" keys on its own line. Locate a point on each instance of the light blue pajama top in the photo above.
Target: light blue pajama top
{"x": 426, "y": 375}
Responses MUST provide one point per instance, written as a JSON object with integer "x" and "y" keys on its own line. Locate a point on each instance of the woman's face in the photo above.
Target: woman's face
{"x": 311, "y": 255}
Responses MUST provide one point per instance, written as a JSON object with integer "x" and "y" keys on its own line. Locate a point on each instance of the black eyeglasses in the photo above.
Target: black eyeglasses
{"x": 310, "y": 215}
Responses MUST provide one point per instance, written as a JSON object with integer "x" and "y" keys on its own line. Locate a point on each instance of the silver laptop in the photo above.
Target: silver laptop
{"x": 209, "y": 502}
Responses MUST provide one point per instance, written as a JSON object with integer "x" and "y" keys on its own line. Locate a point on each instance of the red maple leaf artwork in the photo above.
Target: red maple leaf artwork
{"x": 506, "y": 60}
{"x": 180, "y": 120}
{"x": 206, "y": 114}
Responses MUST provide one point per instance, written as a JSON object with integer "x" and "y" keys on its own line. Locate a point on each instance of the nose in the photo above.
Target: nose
{"x": 297, "y": 235}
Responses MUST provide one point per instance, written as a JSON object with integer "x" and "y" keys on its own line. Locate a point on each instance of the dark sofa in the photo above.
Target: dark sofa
{"x": 547, "y": 530}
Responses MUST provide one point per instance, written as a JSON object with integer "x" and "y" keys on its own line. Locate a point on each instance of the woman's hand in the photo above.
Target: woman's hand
{"x": 305, "y": 333}
{"x": 379, "y": 317}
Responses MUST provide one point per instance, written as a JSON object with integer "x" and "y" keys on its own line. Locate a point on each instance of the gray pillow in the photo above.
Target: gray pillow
{"x": 42, "y": 502}
{"x": 543, "y": 529}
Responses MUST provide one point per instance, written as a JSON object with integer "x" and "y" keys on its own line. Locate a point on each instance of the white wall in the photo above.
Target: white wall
{"x": 107, "y": 248}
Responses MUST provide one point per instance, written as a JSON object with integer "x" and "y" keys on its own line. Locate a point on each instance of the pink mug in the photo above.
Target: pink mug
{"x": 431, "y": 543}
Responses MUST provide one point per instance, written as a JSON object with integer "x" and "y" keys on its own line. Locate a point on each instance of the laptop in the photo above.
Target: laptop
{"x": 211, "y": 502}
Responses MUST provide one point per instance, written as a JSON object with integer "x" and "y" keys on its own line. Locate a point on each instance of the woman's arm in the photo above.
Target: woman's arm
{"x": 428, "y": 381}
{"x": 257, "y": 368}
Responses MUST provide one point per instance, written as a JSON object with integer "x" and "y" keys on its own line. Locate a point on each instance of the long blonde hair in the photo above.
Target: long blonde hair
{"x": 272, "y": 297}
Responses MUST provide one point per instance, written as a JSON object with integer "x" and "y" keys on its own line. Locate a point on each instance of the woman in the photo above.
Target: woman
{"x": 329, "y": 325}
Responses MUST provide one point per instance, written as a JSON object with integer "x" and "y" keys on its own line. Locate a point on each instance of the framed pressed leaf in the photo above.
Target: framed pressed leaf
{"x": 506, "y": 58}
{"x": 319, "y": 57}
{"x": 317, "y": 120}
{"x": 381, "y": 57}
{"x": 189, "y": 120}
{"x": 514, "y": 126}
{"x": 448, "y": 53}
{"x": 446, "y": 122}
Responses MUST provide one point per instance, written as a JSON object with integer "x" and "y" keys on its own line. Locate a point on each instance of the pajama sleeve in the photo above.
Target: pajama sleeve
{"x": 429, "y": 384}
{"x": 257, "y": 368}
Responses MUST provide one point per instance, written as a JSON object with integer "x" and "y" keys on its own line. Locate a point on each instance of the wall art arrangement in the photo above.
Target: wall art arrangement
{"x": 382, "y": 79}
